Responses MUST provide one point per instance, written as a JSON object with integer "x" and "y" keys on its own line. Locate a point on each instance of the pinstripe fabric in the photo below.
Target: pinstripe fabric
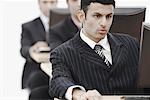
{"x": 75, "y": 63}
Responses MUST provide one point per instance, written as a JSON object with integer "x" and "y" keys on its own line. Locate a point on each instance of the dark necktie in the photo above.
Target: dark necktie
{"x": 98, "y": 50}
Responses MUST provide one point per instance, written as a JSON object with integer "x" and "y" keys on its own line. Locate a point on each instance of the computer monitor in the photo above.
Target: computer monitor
{"x": 58, "y": 14}
{"x": 144, "y": 65}
{"x": 126, "y": 20}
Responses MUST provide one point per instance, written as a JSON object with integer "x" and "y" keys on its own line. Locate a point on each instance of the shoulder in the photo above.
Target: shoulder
{"x": 65, "y": 47}
{"x": 124, "y": 38}
{"x": 32, "y": 22}
{"x": 131, "y": 43}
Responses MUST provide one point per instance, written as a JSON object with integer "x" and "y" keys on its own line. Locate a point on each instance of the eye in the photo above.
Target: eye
{"x": 45, "y": 2}
{"x": 97, "y": 16}
{"x": 52, "y": 2}
{"x": 109, "y": 16}
{"x": 75, "y": 0}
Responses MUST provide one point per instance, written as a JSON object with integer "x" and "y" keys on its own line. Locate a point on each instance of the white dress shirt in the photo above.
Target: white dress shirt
{"x": 45, "y": 21}
{"x": 107, "y": 53}
{"x": 103, "y": 42}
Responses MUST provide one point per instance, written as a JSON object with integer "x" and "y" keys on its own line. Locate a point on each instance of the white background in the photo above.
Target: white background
{"x": 12, "y": 14}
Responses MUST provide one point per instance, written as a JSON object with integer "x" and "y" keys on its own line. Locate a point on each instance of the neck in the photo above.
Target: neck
{"x": 76, "y": 21}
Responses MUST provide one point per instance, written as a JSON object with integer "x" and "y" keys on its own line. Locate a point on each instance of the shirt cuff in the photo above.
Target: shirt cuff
{"x": 68, "y": 94}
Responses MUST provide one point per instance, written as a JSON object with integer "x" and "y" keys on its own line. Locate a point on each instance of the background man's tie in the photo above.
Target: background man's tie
{"x": 98, "y": 50}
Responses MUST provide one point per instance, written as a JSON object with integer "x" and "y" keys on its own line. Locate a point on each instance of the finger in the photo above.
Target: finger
{"x": 91, "y": 98}
{"x": 33, "y": 49}
{"x": 94, "y": 97}
{"x": 45, "y": 57}
{"x": 83, "y": 97}
{"x": 41, "y": 44}
{"x": 94, "y": 94}
{"x": 89, "y": 95}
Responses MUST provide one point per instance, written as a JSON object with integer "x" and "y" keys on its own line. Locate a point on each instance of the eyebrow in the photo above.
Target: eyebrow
{"x": 96, "y": 13}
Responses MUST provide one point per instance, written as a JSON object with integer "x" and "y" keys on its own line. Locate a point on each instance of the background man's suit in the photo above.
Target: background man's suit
{"x": 75, "y": 63}
{"x": 32, "y": 32}
{"x": 62, "y": 32}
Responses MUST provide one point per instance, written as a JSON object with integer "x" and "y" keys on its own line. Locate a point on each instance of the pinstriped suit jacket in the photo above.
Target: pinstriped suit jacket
{"x": 75, "y": 63}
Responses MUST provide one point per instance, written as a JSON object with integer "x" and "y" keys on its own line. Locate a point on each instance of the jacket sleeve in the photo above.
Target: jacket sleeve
{"x": 26, "y": 43}
{"x": 62, "y": 78}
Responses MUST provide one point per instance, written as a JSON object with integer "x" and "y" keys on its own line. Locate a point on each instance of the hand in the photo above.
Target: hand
{"x": 93, "y": 95}
{"x": 40, "y": 57}
{"x": 78, "y": 94}
{"x": 37, "y": 45}
{"x": 36, "y": 55}
{"x": 47, "y": 68}
{"x": 89, "y": 95}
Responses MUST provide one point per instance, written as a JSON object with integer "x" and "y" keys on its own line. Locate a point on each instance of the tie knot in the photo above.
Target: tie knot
{"x": 98, "y": 47}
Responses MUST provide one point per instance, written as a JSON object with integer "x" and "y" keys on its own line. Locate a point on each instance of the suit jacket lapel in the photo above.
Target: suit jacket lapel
{"x": 87, "y": 53}
{"x": 40, "y": 28}
{"x": 117, "y": 50}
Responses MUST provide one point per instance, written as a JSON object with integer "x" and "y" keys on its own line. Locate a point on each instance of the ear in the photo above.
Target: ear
{"x": 81, "y": 16}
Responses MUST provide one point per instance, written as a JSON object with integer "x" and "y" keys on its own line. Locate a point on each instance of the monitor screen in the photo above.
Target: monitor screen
{"x": 128, "y": 21}
{"x": 58, "y": 14}
{"x": 144, "y": 66}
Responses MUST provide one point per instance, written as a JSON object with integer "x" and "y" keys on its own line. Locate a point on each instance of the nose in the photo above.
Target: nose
{"x": 79, "y": 2}
{"x": 103, "y": 22}
{"x": 50, "y": 6}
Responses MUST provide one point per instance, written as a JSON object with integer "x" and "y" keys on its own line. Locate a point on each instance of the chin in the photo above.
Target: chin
{"x": 102, "y": 35}
{"x": 99, "y": 38}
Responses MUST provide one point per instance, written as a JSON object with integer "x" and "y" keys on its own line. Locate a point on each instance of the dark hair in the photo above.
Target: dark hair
{"x": 85, "y": 3}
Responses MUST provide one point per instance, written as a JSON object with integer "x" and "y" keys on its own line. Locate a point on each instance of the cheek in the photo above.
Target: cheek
{"x": 109, "y": 24}
{"x": 90, "y": 27}
{"x": 92, "y": 24}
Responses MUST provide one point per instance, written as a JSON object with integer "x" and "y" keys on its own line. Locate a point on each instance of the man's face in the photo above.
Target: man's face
{"x": 73, "y": 6}
{"x": 46, "y": 5}
{"x": 97, "y": 21}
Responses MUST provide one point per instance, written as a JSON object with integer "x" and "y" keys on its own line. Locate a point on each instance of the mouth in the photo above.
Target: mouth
{"x": 102, "y": 31}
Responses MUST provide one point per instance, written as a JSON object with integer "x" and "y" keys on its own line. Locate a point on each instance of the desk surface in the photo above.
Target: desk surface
{"x": 147, "y": 26}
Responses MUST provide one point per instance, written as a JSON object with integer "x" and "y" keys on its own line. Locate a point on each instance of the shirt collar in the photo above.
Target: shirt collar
{"x": 104, "y": 42}
{"x": 45, "y": 21}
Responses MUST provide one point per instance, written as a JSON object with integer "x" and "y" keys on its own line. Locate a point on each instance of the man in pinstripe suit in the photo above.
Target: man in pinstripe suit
{"x": 79, "y": 73}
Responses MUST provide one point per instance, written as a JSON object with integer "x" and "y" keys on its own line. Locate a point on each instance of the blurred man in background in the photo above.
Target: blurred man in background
{"x": 34, "y": 47}
{"x": 67, "y": 28}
